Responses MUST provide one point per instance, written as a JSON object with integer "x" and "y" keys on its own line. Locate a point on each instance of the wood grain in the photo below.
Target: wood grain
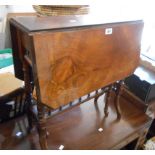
{"x": 74, "y": 62}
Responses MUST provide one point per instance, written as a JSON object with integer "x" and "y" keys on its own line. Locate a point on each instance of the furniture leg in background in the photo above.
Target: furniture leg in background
{"x": 107, "y": 97}
{"x": 117, "y": 88}
{"x": 28, "y": 91}
{"x": 118, "y": 91}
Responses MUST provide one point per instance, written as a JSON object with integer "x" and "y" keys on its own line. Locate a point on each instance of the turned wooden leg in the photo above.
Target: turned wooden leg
{"x": 118, "y": 91}
{"x": 28, "y": 91}
{"x": 96, "y": 97}
{"x": 42, "y": 127}
{"x": 107, "y": 97}
{"x": 29, "y": 115}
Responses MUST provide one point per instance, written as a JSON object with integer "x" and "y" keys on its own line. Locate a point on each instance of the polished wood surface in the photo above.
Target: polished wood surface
{"x": 77, "y": 128}
{"x": 35, "y": 24}
{"x": 71, "y": 64}
{"x": 82, "y": 124}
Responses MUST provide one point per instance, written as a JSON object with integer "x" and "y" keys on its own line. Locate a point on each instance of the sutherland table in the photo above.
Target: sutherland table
{"x": 71, "y": 56}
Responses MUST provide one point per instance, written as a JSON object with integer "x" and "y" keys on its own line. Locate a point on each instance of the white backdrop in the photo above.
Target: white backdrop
{"x": 109, "y": 9}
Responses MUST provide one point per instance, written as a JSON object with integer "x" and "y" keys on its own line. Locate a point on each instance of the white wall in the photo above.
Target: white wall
{"x": 20, "y": 8}
{"x": 2, "y": 26}
{"x": 109, "y": 9}
{"x": 4, "y": 10}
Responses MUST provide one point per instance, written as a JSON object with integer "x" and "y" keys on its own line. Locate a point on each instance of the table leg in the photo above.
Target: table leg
{"x": 107, "y": 97}
{"x": 96, "y": 98}
{"x": 28, "y": 93}
{"x": 118, "y": 91}
{"x": 42, "y": 127}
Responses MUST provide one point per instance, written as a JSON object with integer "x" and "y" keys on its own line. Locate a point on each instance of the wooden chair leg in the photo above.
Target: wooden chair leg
{"x": 107, "y": 96}
{"x": 42, "y": 128}
{"x": 118, "y": 92}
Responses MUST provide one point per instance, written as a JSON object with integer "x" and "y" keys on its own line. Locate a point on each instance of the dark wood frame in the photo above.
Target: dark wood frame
{"x": 24, "y": 66}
